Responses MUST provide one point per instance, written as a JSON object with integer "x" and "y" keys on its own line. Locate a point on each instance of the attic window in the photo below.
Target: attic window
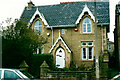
{"x": 38, "y": 26}
{"x": 86, "y": 25}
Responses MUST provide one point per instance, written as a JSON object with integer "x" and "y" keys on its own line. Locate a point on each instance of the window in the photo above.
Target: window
{"x": 84, "y": 53}
{"x": 86, "y": 25}
{"x": 38, "y": 51}
{"x": 109, "y": 47}
{"x": 87, "y": 50}
{"x": 83, "y": 43}
{"x": 41, "y": 51}
{"x": 38, "y": 26}
{"x": 90, "y": 44}
{"x": 62, "y": 31}
{"x": 90, "y": 53}
{"x": 10, "y": 74}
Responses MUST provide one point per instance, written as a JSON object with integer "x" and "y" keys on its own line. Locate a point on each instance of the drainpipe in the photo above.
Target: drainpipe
{"x": 52, "y": 34}
{"x": 102, "y": 38}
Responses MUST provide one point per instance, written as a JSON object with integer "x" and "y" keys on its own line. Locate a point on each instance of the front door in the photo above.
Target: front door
{"x": 60, "y": 58}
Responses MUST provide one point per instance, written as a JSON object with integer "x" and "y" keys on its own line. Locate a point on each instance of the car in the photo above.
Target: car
{"x": 117, "y": 77}
{"x": 14, "y": 74}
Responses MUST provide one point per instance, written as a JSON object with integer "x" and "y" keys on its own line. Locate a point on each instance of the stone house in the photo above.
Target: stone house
{"x": 69, "y": 28}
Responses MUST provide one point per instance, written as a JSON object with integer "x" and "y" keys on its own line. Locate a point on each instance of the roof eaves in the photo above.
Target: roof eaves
{"x": 41, "y": 16}
{"x": 74, "y": 25}
{"x": 85, "y": 9}
{"x": 103, "y": 23}
{"x": 60, "y": 38}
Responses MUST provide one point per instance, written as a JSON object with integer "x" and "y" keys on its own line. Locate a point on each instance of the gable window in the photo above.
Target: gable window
{"x": 86, "y": 25}
{"x": 87, "y": 50}
{"x": 62, "y": 31}
{"x": 38, "y": 26}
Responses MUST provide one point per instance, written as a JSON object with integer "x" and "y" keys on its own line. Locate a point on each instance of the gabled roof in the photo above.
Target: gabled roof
{"x": 68, "y": 13}
{"x": 41, "y": 16}
{"x": 60, "y": 38}
{"x": 86, "y": 9}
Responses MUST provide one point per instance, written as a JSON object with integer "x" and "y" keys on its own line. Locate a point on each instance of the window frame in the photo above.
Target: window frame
{"x": 87, "y": 46}
{"x": 86, "y": 25}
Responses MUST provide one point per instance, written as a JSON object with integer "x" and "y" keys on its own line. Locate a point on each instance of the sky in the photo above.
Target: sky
{"x": 14, "y": 8}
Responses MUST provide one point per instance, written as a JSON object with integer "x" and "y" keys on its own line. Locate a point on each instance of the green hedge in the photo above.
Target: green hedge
{"x": 35, "y": 62}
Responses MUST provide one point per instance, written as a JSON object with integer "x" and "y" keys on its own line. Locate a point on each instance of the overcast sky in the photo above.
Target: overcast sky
{"x": 14, "y": 8}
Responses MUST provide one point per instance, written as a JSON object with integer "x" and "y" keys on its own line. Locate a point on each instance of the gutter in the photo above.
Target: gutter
{"x": 63, "y": 26}
{"x": 103, "y": 24}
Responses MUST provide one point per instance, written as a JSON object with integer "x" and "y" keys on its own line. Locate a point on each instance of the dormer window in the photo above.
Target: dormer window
{"x": 86, "y": 25}
{"x": 38, "y": 26}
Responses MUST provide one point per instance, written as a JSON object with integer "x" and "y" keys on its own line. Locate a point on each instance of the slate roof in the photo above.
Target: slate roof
{"x": 68, "y": 13}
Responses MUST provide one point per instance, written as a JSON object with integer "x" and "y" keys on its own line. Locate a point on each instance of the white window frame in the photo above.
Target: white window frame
{"x": 86, "y": 26}
{"x": 87, "y": 50}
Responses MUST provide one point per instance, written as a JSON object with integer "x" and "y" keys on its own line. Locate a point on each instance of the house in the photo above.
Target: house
{"x": 69, "y": 28}
{"x": 117, "y": 36}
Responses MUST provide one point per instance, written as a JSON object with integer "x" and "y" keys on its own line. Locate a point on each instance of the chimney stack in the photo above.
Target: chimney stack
{"x": 30, "y": 4}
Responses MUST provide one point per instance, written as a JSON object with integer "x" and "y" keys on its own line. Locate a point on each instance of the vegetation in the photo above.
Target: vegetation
{"x": 37, "y": 60}
{"x": 18, "y": 43}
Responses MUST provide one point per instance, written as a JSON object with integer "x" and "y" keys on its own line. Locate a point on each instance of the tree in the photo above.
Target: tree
{"x": 18, "y": 43}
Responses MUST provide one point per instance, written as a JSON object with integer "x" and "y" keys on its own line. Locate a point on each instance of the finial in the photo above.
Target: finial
{"x": 85, "y": 5}
{"x": 59, "y": 33}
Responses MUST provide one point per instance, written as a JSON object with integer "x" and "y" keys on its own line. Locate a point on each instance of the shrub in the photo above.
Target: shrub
{"x": 35, "y": 62}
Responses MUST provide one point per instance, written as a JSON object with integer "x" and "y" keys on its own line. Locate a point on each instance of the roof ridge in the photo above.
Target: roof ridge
{"x": 58, "y": 16}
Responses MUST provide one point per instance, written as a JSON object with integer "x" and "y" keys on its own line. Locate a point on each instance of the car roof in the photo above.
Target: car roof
{"x": 9, "y": 69}
{"x": 116, "y": 77}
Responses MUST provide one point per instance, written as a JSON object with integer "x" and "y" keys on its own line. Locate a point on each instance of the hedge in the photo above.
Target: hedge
{"x": 35, "y": 62}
